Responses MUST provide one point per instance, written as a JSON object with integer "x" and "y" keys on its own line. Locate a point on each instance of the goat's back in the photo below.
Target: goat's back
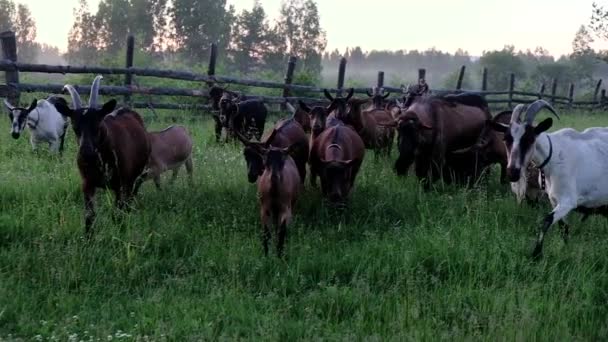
{"x": 126, "y": 138}
{"x": 171, "y": 146}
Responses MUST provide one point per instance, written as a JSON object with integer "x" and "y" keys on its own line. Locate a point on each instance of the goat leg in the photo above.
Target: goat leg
{"x": 281, "y": 235}
{"x": 89, "y": 208}
{"x": 565, "y": 230}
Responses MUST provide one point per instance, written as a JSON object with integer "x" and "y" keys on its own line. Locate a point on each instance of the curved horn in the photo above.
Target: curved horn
{"x": 8, "y": 105}
{"x": 328, "y": 95}
{"x": 368, "y": 93}
{"x": 290, "y": 107}
{"x": 536, "y": 107}
{"x": 94, "y": 92}
{"x": 515, "y": 116}
{"x": 76, "y": 103}
{"x": 350, "y": 93}
{"x": 386, "y": 95}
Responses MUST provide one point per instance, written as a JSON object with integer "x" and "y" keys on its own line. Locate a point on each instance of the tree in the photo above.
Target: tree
{"x": 20, "y": 21}
{"x": 83, "y": 36}
{"x": 299, "y": 24}
{"x": 250, "y": 39}
{"x": 599, "y": 21}
{"x": 581, "y": 45}
{"x": 500, "y": 65}
{"x": 7, "y": 15}
{"x": 25, "y": 31}
{"x": 198, "y": 23}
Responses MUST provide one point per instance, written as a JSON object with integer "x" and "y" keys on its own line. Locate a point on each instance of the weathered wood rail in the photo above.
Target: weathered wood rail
{"x": 13, "y": 87}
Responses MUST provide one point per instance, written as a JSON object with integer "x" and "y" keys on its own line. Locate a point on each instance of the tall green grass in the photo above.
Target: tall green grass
{"x": 187, "y": 262}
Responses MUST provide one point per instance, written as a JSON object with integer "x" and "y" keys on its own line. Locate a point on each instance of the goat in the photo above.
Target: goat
{"x": 573, "y": 164}
{"x": 113, "y": 148}
{"x": 301, "y": 115}
{"x": 44, "y": 121}
{"x": 170, "y": 149}
{"x": 278, "y": 188}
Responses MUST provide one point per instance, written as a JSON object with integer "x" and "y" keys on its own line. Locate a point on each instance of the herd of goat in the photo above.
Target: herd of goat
{"x": 452, "y": 137}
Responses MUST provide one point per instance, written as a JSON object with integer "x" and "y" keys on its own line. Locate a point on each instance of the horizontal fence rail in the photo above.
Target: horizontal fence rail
{"x": 13, "y": 88}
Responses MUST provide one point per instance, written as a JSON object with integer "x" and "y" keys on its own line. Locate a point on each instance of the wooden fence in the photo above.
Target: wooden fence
{"x": 13, "y": 88}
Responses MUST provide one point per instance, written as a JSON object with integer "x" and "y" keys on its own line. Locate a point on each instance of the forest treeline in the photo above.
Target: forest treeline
{"x": 178, "y": 34}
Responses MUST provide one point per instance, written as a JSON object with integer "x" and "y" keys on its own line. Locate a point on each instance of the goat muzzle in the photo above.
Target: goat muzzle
{"x": 513, "y": 174}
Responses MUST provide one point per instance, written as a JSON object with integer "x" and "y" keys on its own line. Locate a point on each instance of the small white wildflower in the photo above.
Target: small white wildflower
{"x": 38, "y": 337}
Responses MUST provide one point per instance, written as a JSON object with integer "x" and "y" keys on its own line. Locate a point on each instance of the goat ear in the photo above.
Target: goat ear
{"x": 108, "y": 107}
{"x": 33, "y": 105}
{"x": 304, "y": 106}
{"x": 543, "y": 126}
{"x": 497, "y": 126}
{"x": 64, "y": 110}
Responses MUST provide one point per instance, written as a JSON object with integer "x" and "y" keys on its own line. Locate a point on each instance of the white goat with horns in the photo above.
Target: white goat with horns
{"x": 45, "y": 123}
{"x": 572, "y": 164}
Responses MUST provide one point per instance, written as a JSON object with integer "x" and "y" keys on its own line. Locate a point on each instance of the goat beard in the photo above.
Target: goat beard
{"x": 519, "y": 188}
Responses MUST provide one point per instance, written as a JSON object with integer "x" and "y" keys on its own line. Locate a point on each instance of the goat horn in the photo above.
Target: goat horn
{"x": 516, "y": 115}
{"x": 74, "y": 95}
{"x": 94, "y": 92}
{"x": 368, "y": 93}
{"x": 8, "y": 105}
{"x": 350, "y": 93}
{"x": 536, "y": 107}
{"x": 328, "y": 95}
{"x": 290, "y": 107}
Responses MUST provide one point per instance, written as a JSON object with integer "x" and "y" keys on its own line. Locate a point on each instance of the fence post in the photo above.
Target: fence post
{"x": 421, "y": 74}
{"x": 341, "y": 72}
{"x": 212, "y": 61}
{"x": 570, "y": 95}
{"x": 597, "y": 90}
{"x": 291, "y": 66}
{"x": 460, "y": 77}
{"x": 602, "y": 97}
{"x": 9, "y": 52}
{"x": 484, "y": 79}
{"x": 541, "y": 91}
{"x": 380, "y": 79}
{"x": 511, "y": 88}
{"x": 128, "y": 64}
{"x": 553, "y": 91}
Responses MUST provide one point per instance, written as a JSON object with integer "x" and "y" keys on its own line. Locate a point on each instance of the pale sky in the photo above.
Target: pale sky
{"x": 473, "y": 25}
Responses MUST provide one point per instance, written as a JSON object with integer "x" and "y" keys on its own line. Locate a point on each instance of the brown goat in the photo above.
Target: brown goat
{"x": 113, "y": 148}
{"x": 171, "y": 148}
{"x": 301, "y": 115}
{"x": 375, "y": 126}
{"x": 286, "y": 133}
{"x": 336, "y": 156}
{"x": 432, "y": 126}
{"x": 278, "y": 189}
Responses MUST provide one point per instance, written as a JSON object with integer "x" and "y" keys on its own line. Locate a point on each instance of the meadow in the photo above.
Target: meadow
{"x": 187, "y": 263}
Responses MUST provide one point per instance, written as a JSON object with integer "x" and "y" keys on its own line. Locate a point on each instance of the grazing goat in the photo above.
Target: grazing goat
{"x": 170, "y": 149}
{"x": 113, "y": 148}
{"x": 573, "y": 164}
{"x": 44, "y": 121}
{"x": 278, "y": 188}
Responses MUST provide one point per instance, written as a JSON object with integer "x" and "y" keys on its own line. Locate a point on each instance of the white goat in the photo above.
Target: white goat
{"x": 573, "y": 163}
{"x": 45, "y": 123}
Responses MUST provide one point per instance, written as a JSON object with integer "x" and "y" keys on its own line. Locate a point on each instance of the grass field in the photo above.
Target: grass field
{"x": 187, "y": 263}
